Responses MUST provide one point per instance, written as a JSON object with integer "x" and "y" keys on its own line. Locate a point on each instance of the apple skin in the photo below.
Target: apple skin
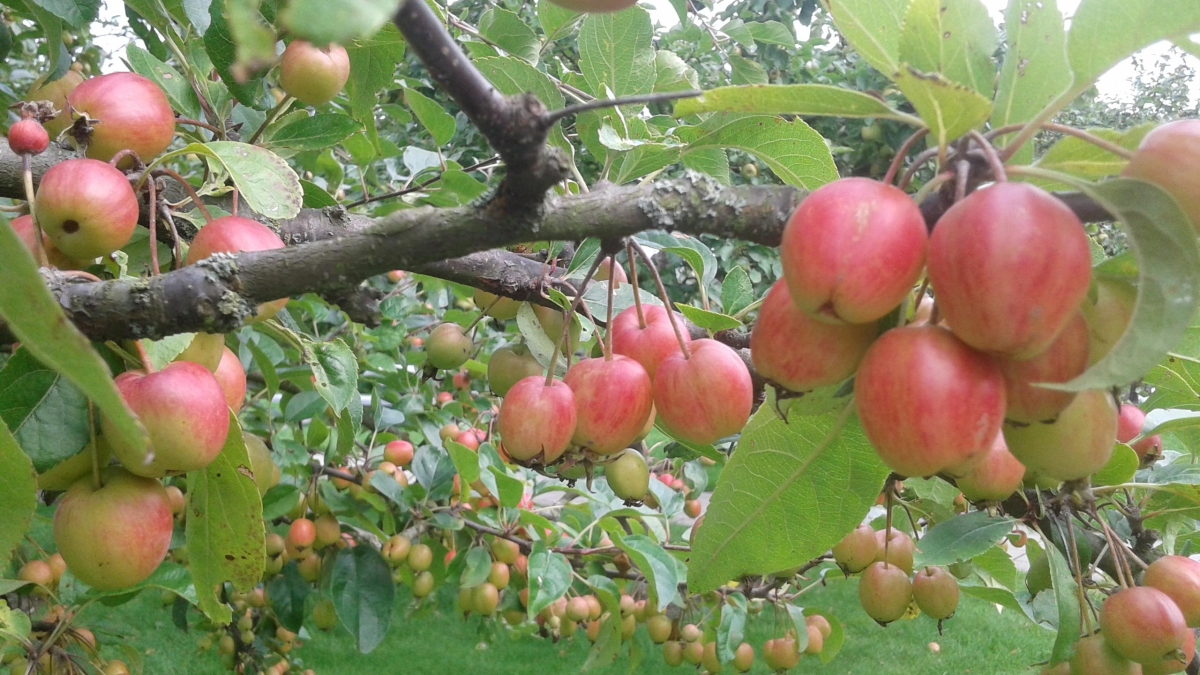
{"x": 314, "y": 75}
{"x": 1075, "y": 446}
{"x": 628, "y": 475}
{"x": 651, "y": 344}
{"x": 1174, "y": 665}
{"x": 552, "y": 325}
{"x": 398, "y": 452}
{"x": 995, "y": 476}
{"x": 928, "y": 402}
{"x": 857, "y": 550}
{"x": 537, "y": 420}
{"x": 86, "y": 208}
{"x": 503, "y": 309}
{"x": 1142, "y": 624}
{"x": 1093, "y": 656}
{"x": 613, "y": 398}
{"x": 266, "y": 472}
{"x": 234, "y": 234}
{"x": 936, "y": 593}
{"x": 184, "y": 412}
{"x": 1179, "y": 578}
{"x": 207, "y": 349}
{"x": 1169, "y": 156}
{"x": 116, "y": 536}
{"x": 509, "y": 365}
{"x": 685, "y": 391}
{"x": 134, "y": 114}
{"x": 1109, "y": 316}
{"x": 232, "y": 378}
{"x": 28, "y": 136}
{"x": 884, "y": 592}
{"x": 448, "y": 347}
{"x": 1064, "y": 360}
{"x": 852, "y": 250}
{"x": 1130, "y": 420}
{"x": 23, "y": 226}
{"x": 895, "y": 548}
{"x": 798, "y": 352}
{"x": 56, "y": 92}
{"x": 1010, "y": 265}
{"x": 606, "y": 268}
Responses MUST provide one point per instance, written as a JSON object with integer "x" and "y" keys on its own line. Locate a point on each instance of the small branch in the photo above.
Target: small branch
{"x": 615, "y": 102}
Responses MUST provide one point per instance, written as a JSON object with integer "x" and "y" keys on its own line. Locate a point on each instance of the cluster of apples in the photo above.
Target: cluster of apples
{"x": 888, "y": 587}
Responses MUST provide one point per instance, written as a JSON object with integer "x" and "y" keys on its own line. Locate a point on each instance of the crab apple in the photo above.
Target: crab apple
{"x": 628, "y": 476}
{"x": 852, "y": 250}
{"x": 613, "y": 397}
{"x": 537, "y": 419}
{"x": 995, "y": 476}
{"x": 23, "y": 226}
{"x": 36, "y": 572}
{"x": 1075, "y": 446}
{"x": 115, "y": 536}
{"x": 781, "y": 654}
{"x": 551, "y": 321}
{"x": 743, "y": 658}
{"x": 1063, "y": 360}
{"x": 816, "y": 641}
{"x": 936, "y": 592}
{"x": 1167, "y": 157}
{"x": 684, "y": 388}
{"x": 468, "y": 439}
{"x": 1179, "y": 578}
{"x": 693, "y": 652}
{"x": 266, "y": 472}
{"x": 448, "y": 346}
{"x": 207, "y": 349}
{"x": 1130, "y": 420}
{"x": 857, "y": 550}
{"x": 56, "y": 92}
{"x": 1109, "y": 316}
{"x": 233, "y": 234}
{"x": 184, "y": 412}
{"x": 709, "y": 660}
{"x": 486, "y": 598}
{"x": 659, "y": 628}
{"x": 302, "y": 533}
{"x": 673, "y": 653}
{"x": 649, "y": 344}
{"x": 509, "y": 365}
{"x": 86, "y": 207}
{"x": 1093, "y": 656}
{"x": 1177, "y": 663}
{"x": 496, "y": 306}
{"x": 420, "y": 557}
{"x": 132, "y": 114}
{"x": 232, "y": 378}
{"x": 800, "y": 353}
{"x": 1010, "y": 265}
{"x": 822, "y": 624}
{"x": 606, "y": 267}
{"x": 324, "y": 615}
{"x": 693, "y": 508}
{"x": 927, "y": 402}
{"x": 505, "y": 551}
{"x": 884, "y": 592}
{"x": 1142, "y": 624}
{"x": 895, "y": 548}
{"x": 577, "y": 609}
{"x": 327, "y": 531}
{"x": 398, "y": 452}
{"x": 313, "y": 75}
{"x": 178, "y": 501}
{"x": 28, "y": 137}
{"x": 422, "y": 584}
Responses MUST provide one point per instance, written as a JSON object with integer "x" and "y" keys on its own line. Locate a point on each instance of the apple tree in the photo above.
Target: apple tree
{"x": 594, "y": 324}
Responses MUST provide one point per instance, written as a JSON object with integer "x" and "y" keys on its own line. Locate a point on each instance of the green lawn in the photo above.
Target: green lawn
{"x": 977, "y": 641}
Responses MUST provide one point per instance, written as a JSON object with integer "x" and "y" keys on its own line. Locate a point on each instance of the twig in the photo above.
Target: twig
{"x": 614, "y": 102}
{"x": 666, "y": 299}
{"x": 905, "y": 147}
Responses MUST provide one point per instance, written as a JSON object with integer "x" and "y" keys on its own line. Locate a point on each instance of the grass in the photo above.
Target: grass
{"x": 976, "y": 641}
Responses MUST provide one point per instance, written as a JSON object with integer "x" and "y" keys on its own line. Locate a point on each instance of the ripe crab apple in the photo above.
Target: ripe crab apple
{"x": 115, "y": 536}
{"x": 207, "y": 349}
{"x": 56, "y": 92}
{"x": 28, "y": 137}
{"x": 895, "y": 548}
{"x": 133, "y": 114}
{"x": 613, "y": 397}
{"x": 1167, "y": 157}
{"x": 1073, "y": 447}
{"x": 781, "y": 654}
{"x": 685, "y": 387}
{"x": 927, "y": 402}
{"x": 606, "y": 267}
{"x": 1010, "y": 265}
{"x": 1093, "y": 656}
{"x": 233, "y": 234}
{"x": 1065, "y": 359}
{"x": 857, "y": 550}
{"x": 800, "y": 353}
{"x": 23, "y": 226}
{"x": 1130, "y": 420}
{"x": 86, "y": 207}
{"x": 1179, "y": 578}
{"x": 1109, "y": 316}
{"x": 936, "y": 592}
{"x": 184, "y": 412}
{"x": 1177, "y": 663}
{"x": 1142, "y": 624}
{"x": 398, "y": 452}
{"x": 884, "y": 592}
{"x": 628, "y": 476}
{"x": 852, "y": 250}
{"x": 649, "y": 344}
{"x": 232, "y": 378}
{"x": 537, "y": 420}
{"x": 994, "y": 477}
{"x": 509, "y": 365}
{"x": 314, "y": 75}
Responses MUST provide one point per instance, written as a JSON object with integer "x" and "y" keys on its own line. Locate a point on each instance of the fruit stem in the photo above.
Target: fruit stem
{"x": 568, "y": 315}
{"x": 153, "y": 238}
{"x": 176, "y": 247}
{"x": 933, "y": 184}
{"x": 662, "y": 294}
{"x": 1078, "y": 570}
{"x": 27, "y": 173}
{"x": 140, "y": 349}
{"x": 916, "y": 165}
{"x": 197, "y": 123}
{"x": 637, "y": 299}
{"x": 271, "y": 117}
{"x": 121, "y": 155}
{"x": 97, "y": 481}
{"x": 612, "y": 284}
{"x": 188, "y": 189}
{"x": 482, "y": 313}
{"x": 989, "y": 153}
{"x": 890, "y": 488}
{"x": 234, "y": 206}
{"x": 905, "y": 147}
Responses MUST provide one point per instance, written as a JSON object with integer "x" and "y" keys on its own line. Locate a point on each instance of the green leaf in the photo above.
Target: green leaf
{"x": 254, "y": 40}
{"x": 479, "y": 566}
{"x": 872, "y": 27}
{"x": 737, "y": 293}
{"x": 363, "y": 593}
{"x": 791, "y": 99}
{"x": 35, "y": 318}
{"x": 512, "y": 76}
{"x": 792, "y": 149}
{"x": 949, "y": 110}
{"x": 955, "y": 38}
{"x": 1067, "y": 599}
{"x": 315, "y": 197}
{"x": 46, "y": 414}
{"x": 1081, "y": 159}
{"x": 1120, "y": 468}
{"x": 288, "y": 592}
{"x": 1035, "y": 68}
{"x": 616, "y": 53}
{"x": 322, "y": 22}
{"x": 996, "y": 596}
{"x": 961, "y": 538}
{"x": 18, "y": 493}
{"x": 508, "y": 490}
{"x": 439, "y": 123}
{"x": 1104, "y": 32}
{"x": 266, "y": 183}
{"x": 178, "y": 90}
{"x": 799, "y": 625}
{"x": 712, "y": 162}
{"x": 373, "y": 62}
{"x": 336, "y": 372}
{"x": 1157, "y": 421}
{"x": 507, "y": 31}
{"x": 225, "y": 538}
{"x": 316, "y": 132}
{"x": 164, "y": 351}
{"x": 771, "y": 33}
{"x": 222, "y": 51}
{"x": 673, "y": 73}
{"x": 555, "y": 21}
{"x": 743, "y": 71}
{"x": 466, "y": 461}
{"x": 732, "y": 629}
{"x": 693, "y": 251}
{"x": 549, "y": 577}
{"x": 279, "y": 500}
{"x": 998, "y": 565}
{"x": 77, "y": 13}
{"x": 837, "y": 634}
{"x": 710, "y": 321}
{"x": 791, "y": 491}
{"x": 656, "y": 565}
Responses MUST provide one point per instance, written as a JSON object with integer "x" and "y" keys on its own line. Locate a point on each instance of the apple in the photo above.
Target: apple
{"x": 1073, "y": 447}
{"x": 1109, "y": 316}
{"x": 936, "y": 593}
{"x": 994, "y": 477}
{"x": 647, "y": 343}
{"x": 1167, "y": 157}
{"x": 704, "y": 395}
{"x": 1141, "y": 624}
{"x": 509, "y": 365}
{"x": 613, "y": 397}
{"x": 56, "y": 92}
{"x": 895, "y": 548}
{"x": 266, "y": 472}
{"x": 1179, "y": 578}
{"x": 606, "y": 268}
{"x": 1130, "y": 420}
{"x": 448, "y": 347}
{"x": 314, "y": 75}
{"x": 551, "y": 321}
{"x": 23, "y": 226}
{"x": 1093, "y": 656}
{"x": 86, "y": 208}
{"x": 132, "y": 114}
{"x": 233, "y": 234}
{"x": 207, "y": 349}
{"x": 495, "y": 306}
{"x": 398, "y": 452}
{"x": 857, "y": 550}
{"x": 628, "y": 475}
{"x": 1065, "y": 359}
{"x": 232, "y": 378}
{"x": 884, "y": 592}
{"x": 28, "y": 137}
{"x": 537, "y": 420}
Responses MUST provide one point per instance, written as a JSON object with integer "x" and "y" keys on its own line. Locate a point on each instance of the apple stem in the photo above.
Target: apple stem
{"x": 39, "y": 248}
{"x": 147, "y": 365}
{"x": 933, "y": 184}
{"x": 612, "y": 284}
{"x": 233, "y": 209}
{"x": 662, "y": 294}
{"x": 1078, "y": 571}
{"x": 191, "y": 192}
{"x": 564, "y": 337}
{"x": 990, "y": 154}
{"x": 908, "y": 144}
{"x": 482, "y": 314}
{"x": 122, "y": 155}
{"x": 176, "y": 247}
{"x": 633, "y": 279}
{"x": 97, "y": 481}
{"x": 271, "y": 117}
{"x": 918, "y": 162}
{"x": 890, "y": 488}
{"x": 153, "y": 238}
